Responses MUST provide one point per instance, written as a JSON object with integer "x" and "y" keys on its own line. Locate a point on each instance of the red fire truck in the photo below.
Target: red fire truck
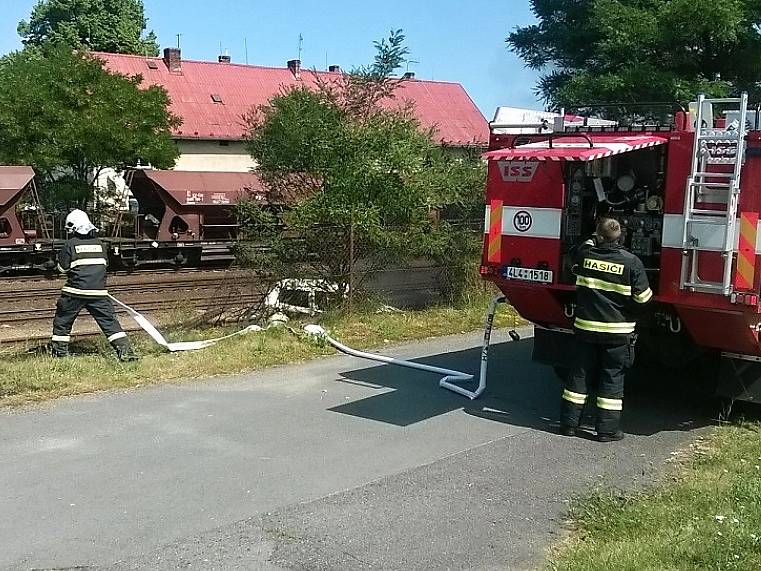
{"x": 688, "y": 196}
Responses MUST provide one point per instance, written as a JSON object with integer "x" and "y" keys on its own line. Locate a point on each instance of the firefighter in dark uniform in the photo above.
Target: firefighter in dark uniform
{"x": 83, "y": 259}
{"x": 611, "y": 288}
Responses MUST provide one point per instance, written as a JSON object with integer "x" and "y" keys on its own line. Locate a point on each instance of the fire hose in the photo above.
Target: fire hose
{"x": 154, "y": 333}
{"x": 449, "y": 381}
{"x": 451, "y": 378}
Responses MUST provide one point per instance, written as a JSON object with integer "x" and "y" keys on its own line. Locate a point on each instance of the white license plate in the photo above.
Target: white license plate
{"x": 527, "y": 274}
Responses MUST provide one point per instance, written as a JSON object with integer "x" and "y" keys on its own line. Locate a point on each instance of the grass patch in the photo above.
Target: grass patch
{"x": 35, "y": 376}
{"x": 707, "y": 517}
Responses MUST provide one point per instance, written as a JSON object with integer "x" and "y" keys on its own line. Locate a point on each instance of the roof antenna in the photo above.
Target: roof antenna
{"x": 178, "y": 40}
{"x": 245, "y": 48}
{"x": 301, "y": 45}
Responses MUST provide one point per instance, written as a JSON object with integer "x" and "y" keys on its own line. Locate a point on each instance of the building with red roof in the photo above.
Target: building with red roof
{"x": 212, "y": 98}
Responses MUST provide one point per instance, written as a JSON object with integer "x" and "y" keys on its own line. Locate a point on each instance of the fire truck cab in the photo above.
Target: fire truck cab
{"x": 688, "y": 197}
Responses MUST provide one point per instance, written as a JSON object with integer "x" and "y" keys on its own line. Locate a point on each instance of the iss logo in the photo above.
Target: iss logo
{"x": 518, "y": 171}
{"x": 522, "y": 221}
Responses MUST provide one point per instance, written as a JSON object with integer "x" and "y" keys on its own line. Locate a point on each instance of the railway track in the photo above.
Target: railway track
{"x": 145, "y": 278}
{"x": 27, "y": 305}
{"x": 16, "y": 316}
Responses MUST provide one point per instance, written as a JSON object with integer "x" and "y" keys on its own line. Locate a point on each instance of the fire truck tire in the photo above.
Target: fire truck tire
{"x": 702, "y": 375}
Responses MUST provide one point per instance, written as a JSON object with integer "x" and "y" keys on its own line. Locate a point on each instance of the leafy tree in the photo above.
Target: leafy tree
{"x": 357, "y": 174}
{"x": 116, "y": 26}
{"x": 641, "y": 50}
{"x": 64, "y": 114}
{"x": 454, "y": 184}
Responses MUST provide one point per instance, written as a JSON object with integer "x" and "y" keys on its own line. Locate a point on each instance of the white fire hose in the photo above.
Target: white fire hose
{"x": 449, "y": 381}
{"x": 148, "y": 327}
{"x": 450, "y": 377}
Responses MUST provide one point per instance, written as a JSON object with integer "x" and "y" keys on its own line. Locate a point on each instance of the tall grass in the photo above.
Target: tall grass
{"x": 707, "y": 517}
{"x": 35, "y": 376}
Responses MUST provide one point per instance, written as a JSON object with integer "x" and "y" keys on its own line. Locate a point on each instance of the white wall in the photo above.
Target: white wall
{"x": 211, "y": 156}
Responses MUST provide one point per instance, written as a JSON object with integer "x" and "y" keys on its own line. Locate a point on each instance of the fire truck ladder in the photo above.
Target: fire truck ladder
{"x": 705, "y": 186}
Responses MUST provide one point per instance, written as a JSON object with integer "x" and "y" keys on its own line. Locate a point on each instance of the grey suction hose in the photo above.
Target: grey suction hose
{"x": 451, "y": 377}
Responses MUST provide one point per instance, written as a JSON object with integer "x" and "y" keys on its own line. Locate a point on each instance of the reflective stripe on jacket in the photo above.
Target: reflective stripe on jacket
{"x": 83, "y": 259}
{"x": 610, "y": 284}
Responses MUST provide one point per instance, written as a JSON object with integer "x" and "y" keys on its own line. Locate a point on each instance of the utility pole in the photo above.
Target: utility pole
{"x": 351, "y": 264}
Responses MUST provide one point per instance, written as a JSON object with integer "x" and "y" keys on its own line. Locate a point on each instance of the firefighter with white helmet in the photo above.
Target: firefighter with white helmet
{"x": 611, "y": 284}
{"x": 83, "y": 260}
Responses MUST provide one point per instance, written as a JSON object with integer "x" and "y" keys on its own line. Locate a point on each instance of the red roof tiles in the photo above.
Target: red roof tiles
{"x": 212, "y": 97}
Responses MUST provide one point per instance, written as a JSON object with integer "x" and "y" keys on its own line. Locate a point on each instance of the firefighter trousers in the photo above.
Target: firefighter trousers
{"x": 102, "y": 310}
{"x": 602, "y": 366}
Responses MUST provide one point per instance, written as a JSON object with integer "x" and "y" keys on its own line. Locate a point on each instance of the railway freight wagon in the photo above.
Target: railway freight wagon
{"x": 175, "y": 219}
{"x": 688, "y": 196}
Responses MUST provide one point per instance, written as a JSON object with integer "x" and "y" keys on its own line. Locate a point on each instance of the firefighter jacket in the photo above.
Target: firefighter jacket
{"x": 83, "y": 259}
{"x": 611, "y": 287}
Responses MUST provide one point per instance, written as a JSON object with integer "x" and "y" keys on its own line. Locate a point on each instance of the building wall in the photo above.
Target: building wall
{"x": 213, "y": 156}
{"x": 233, "y": 156}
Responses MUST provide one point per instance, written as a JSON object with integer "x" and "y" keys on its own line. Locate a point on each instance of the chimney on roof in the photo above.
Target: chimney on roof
{"x": 294, "y": 65}
{"x": 409, "y": 75}
{"x": 173, "y": 60}
{"x": 334, "y": 69}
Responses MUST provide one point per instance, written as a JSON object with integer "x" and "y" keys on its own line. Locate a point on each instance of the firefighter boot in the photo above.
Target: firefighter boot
{"x": 610, "y": 437}
{"x": 567, "y": 430}
{"x": 124, "y": 350}
{"x": 59, "y": 348}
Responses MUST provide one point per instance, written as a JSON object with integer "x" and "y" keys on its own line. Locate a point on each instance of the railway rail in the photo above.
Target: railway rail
{"x": 27, "y": 305}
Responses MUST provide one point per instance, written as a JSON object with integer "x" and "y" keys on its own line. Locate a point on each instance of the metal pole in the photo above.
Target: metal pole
{"x": 351, "y": 265}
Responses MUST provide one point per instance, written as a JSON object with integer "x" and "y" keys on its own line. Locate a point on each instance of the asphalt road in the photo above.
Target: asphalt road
{"x": 334, "y": 464}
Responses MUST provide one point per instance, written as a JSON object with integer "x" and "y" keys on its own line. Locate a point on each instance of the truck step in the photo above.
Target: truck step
{"x": 718, "y": 185}
{"x": 709, "y": 214}
{"x": 718, "y": 135}
{"x": 715, "y": 175}
{"x": 707, "y": 287}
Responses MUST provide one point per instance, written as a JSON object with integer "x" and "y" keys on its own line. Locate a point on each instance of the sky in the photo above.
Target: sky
{"x": 452, "y": 40}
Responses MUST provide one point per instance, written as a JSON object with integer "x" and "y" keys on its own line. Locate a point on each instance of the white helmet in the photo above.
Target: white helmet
{"x": 78, "y": 221}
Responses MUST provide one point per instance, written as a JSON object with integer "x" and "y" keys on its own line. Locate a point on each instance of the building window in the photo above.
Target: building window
{"x": 216, "y": 98}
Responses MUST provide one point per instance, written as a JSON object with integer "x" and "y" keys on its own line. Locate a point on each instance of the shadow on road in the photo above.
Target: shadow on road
{"x": 519, "y": 392}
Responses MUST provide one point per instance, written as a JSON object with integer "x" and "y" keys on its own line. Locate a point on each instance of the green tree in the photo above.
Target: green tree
{"x": 64, "y": 114}
{"x": 359, "y": 176}
{"x": 641, "y": 50}
{"x": 116, "y": 26}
